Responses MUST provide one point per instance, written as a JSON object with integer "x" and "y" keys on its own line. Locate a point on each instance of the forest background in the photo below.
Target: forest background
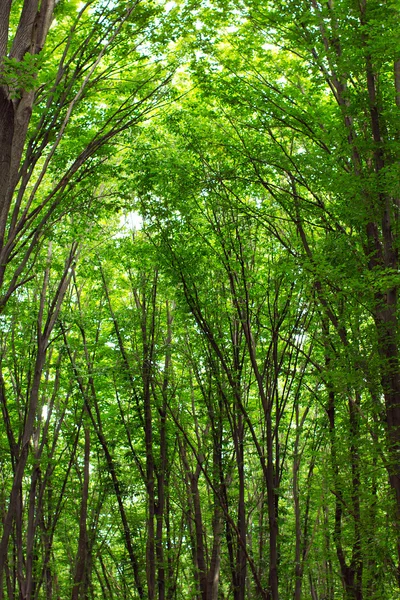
{"x": 199, "y": 274}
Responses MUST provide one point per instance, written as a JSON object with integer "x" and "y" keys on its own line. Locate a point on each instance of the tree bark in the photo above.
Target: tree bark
{"x": 80, "y": 584}
{"x": 15, "y": 112}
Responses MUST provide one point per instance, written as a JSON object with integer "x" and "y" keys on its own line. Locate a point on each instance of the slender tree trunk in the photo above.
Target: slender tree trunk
{"x": 160, "y": 506}
{"x": 298, "y": 566}
{"x": 162, "y": 477}
{"x": 79, "y": 590}
{"x": 148, "y": 315}
{"x": 272, "y": 516}
{"x": 193, "y": 524}
{"x": 348, "y": 572}
{"x": 45, "y": 325}
{"x": 241, "y": 563}
{"x": 215, "y": 561}
{"x": 31, "y": 529}
{"x": 148, "y": 431}
{"x": 96, "y": 420}
{"x": 357, "y": 557}
{"x": 118, "y": 495}
{"x": 15, "y": 494}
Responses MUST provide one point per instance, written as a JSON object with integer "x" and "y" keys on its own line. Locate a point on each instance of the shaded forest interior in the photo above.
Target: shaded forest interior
{"x": 199, "y": 275}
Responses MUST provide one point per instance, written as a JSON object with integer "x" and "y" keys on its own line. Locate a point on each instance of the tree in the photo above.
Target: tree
{"x": 49, "y": 83}
{"x": 207, "y": 407}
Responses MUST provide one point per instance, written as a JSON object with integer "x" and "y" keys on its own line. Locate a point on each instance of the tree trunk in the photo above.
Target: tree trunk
{"x": 15, "y": 113}
{"x": 241, "y": 563}
{"x": 80, "y": 585}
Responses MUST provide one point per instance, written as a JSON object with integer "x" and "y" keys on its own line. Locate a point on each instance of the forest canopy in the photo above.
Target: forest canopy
{"x": 199, "y": 314}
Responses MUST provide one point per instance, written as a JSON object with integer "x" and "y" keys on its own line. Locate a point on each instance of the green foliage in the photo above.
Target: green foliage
{"x": 214, "y": 400}
{"x": 20, "y": 75}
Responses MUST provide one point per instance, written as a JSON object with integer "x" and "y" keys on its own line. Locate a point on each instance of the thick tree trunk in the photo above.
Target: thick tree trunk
{"x": 6, "y": 141}
{"x": 382, "y": 255}
{"x": 388, "y": 338}
{"x": 15, "y": 112}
